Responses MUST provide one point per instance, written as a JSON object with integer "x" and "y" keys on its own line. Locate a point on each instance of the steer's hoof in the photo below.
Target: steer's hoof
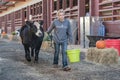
{"x": 32, "y": 55}
{"x": 29, "y": 60}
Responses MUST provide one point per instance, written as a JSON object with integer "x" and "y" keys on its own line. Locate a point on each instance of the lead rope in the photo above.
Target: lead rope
{"x": 51, "y": 37}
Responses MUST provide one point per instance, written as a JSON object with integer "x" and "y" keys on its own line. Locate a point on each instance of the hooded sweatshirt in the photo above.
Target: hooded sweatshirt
{"x": 62, "y": 31}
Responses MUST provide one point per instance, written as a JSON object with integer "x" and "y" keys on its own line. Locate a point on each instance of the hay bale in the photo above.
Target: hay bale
{"x": 89, "y": 55}
{"x": 109, "y": 56}
{"x": 4, "y": 36}
{"x": 16, "y": 38}
{"x": 46, "y": 46}
{"x": 102, "y": 56}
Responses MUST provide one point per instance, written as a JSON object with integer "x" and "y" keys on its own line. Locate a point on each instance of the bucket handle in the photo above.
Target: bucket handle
{"x": 71, "y": 47}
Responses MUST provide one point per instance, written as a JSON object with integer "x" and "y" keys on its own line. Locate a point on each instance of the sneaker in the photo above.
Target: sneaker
{"x": 66, "y": 68}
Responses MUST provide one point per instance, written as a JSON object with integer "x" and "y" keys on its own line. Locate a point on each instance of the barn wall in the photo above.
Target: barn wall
{"x": 48, "y": 13}
{"x": 94, "y": 8}
{"x": 18, "y": 6}
{"x": 112, "y": 29}
{"x": 15, "y": 18}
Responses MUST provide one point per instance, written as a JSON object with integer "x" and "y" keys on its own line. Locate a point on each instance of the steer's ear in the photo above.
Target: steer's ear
{"x": 41, "y": 22}
{"x": 29, "y": 23}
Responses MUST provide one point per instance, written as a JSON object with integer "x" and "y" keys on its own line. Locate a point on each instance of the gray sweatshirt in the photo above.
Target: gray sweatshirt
{"x": 62, "y": 31}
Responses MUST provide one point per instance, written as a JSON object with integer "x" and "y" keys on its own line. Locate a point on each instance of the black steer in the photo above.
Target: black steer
{"x": 32, "y": 36}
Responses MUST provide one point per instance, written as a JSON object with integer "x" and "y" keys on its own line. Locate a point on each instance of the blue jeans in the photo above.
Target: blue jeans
{"x": 63, "y": 46}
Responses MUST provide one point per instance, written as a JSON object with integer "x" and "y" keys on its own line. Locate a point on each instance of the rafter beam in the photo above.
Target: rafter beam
{"x": 13, "y": 5}
{"x": 3, "y": 9}
{"x": 16, "y": 0}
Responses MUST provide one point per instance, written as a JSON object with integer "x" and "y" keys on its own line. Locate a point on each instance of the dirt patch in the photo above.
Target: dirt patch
{"x": 13, "y": 66}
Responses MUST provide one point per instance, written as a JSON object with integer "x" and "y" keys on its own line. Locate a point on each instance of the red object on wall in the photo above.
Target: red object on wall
{"x": 113, "y": 43}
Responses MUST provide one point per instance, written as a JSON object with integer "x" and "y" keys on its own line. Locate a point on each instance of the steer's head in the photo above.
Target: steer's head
{"x": 37, "y": 29}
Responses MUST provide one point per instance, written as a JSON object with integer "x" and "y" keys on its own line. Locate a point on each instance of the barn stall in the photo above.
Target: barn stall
{"x": 19, "y": 10}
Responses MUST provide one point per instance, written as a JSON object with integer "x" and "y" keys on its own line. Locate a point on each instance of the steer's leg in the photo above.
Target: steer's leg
{"x": 27, "y": 52}
{"x": 36, "y": 55}
{"x": 32, "y": 52}
{"x": 37, "y": 49}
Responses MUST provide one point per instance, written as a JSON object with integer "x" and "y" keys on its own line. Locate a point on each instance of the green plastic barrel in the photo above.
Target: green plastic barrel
{"x": 73, "y": 55}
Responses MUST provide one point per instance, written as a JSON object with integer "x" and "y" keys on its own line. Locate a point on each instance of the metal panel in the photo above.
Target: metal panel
{"x": 84, "y": 30}
{"x": 88, "y": 26}
{"x": 74, "y": 29}
{"x": 95, "y": 23}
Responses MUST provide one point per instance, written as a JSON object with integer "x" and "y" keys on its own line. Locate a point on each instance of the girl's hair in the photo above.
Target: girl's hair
{"x": 60, "y": 11}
